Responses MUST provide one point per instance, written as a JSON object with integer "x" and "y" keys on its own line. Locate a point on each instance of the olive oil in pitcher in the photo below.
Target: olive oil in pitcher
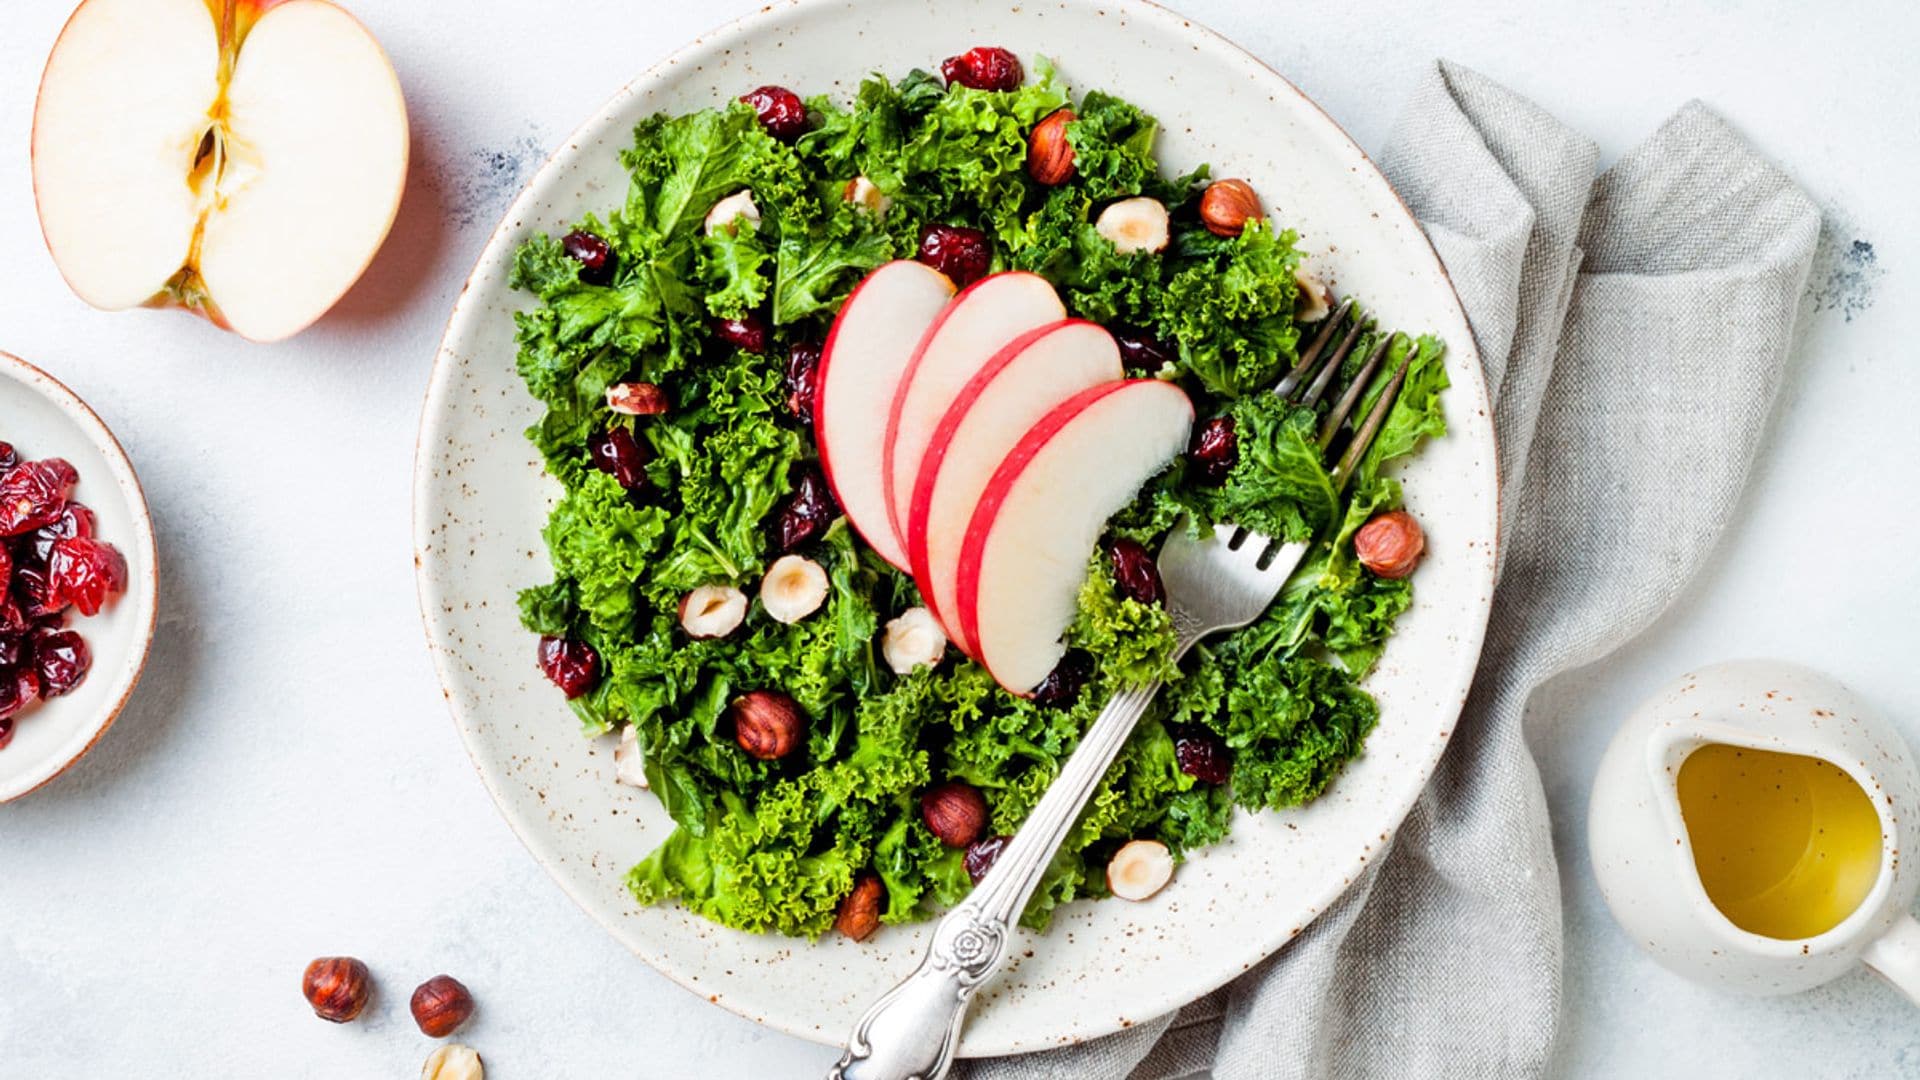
{"x": 1787, "y": 846}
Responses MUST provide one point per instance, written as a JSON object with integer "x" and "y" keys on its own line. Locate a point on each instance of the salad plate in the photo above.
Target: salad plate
{"x": 482, "y": 498}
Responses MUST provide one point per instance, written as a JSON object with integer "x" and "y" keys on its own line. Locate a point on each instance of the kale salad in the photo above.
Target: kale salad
{"x": 675, "y": 362}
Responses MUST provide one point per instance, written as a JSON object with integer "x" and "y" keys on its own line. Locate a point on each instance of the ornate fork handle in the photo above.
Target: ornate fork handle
{"x": 912, "y": 1032}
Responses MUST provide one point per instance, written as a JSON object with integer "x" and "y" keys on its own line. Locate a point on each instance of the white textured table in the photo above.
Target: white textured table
{"x": 287, "y": 784}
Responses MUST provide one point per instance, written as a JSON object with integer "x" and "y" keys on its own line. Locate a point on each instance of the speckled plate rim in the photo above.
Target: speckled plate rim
{"x": 1464, "y": 368}
{"x": 144, "y": 591}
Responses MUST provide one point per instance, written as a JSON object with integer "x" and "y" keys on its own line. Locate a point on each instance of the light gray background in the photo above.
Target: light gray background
{"x": 287, "y": 783}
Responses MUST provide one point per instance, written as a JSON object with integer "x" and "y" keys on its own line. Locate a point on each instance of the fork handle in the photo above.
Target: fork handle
{"x": 912, "y": 1032}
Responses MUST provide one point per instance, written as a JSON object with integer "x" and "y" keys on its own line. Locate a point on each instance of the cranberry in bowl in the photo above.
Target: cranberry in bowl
{"x": 78, "y": 578}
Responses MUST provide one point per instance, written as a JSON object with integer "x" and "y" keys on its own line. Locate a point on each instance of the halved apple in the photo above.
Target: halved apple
{"x": 242, "y": 159}
{"x": 980, "y": 322}
{"x": 1021, "y": 384}
{"x": 1025, "y": 554}
{"x": 866, "y": 355}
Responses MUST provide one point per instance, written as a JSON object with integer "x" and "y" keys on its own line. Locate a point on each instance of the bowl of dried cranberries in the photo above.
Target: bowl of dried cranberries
{"x": 78, "y": 579}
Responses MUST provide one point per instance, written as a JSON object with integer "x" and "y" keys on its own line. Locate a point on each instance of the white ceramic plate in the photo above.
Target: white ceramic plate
{"x": 43, "y": 419}
{"x": 480, "y": 500}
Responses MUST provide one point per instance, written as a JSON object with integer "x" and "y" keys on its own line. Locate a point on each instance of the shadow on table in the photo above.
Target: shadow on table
{"x": 154, "y": 711}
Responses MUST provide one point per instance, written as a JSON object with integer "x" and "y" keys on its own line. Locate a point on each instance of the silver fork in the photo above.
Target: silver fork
{"x": 1214, "y": 582}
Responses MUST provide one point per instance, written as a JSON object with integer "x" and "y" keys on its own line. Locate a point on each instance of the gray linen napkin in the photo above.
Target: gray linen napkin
{"x": 1634, "y": 329}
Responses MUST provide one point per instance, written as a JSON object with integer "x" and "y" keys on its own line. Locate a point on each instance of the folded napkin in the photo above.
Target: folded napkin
{"x": 1634, "y": 329}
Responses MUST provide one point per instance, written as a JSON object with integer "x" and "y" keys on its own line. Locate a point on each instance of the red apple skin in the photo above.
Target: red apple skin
{"x": 921, "y": 507}
{"x": 246, "y": 13}
{"x": 827, "y": 352}
{"x": 900, "y": 395}
{"x": 981, "y": 528}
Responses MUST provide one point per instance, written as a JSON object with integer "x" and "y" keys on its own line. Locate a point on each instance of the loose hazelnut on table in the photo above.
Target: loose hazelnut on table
{"x": 453, "y": 1062}
{"x": 859, "y": 914}
{"x": 337, "y": 987}
{"x": 712, "y": 611}
{"x": 914, "y": 638}
{"x": 440, "y": 1005}
{"x": 768, "y": 724}
{"x": 1390, "y": 545}
{"x": 636, "y": 399}
{"x": 1139, "y": 869}
{"x": 1227, "y": 205}
{"x": 955, "y": 812}
{"x": 794, "y": 588}
{"x": 1136, "y": 224}
{"x": 1049, "y": 153}
{"x": 866, "y": 195}
{"x": 728, "y": 212}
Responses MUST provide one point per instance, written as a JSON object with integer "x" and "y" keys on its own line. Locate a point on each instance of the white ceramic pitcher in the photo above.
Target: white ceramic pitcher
{"x": 1645, "y": 861}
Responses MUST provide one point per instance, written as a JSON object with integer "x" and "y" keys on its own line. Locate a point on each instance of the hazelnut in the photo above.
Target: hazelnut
{"x": 768, "y": 724}
{"x": 859, "y": 914}
{"x": 1049, "y": 154}
{"x": 1313, "y": 300}
{"x": 337, "y": 987}
{"x": 636, "y": 399}
{"x": 912, "y": 639}
{"x": 629, "y": 766}
{"x": 440, "y": 1005}
{"x": 955, "y": 812}
{"x": 728, "y": 212}
{"x": 866, "y": 195}
{"x": 453, "y": 1062}
{"x": 794, "y": 588}
{"x": 1136, "y": 224}
{"x": 712, "y": 611}
{"x": 1227, "y": 205}
{"x": 1390, "y": 545}
{"x": 1139, "y": 869}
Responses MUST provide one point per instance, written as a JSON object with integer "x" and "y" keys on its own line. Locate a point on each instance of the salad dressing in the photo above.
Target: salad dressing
{"x": 1786, "y": 846}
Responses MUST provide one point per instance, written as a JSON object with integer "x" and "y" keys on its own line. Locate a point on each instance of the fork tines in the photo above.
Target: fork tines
{"x": 1316, "y": 370}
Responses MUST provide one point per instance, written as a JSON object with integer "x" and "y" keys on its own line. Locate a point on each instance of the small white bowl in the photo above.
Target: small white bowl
{"x": 42, "y": 418}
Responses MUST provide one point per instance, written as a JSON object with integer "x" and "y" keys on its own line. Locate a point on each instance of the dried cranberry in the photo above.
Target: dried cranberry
{"x": 1202, "y": 755}
{"x": 8, "y": 456}
{"x": 803, "y": 378}
{"x": 18, "y": 689}
{"x": 615, "y": 453}
{"x": 594, "y": 255}
{"x": 33, "y": 588}
{"x": 13, "y": 649}
{"x": 87, "y": 573}
{"x": 1062, "y": 686}
{"x": 1135, "y": 573}
{"x": 61, "y": 658}
{"x": 1215, "y": 449}
{"x": 6, "y": 731}
{"x": 33, "y": 493}
{"x": 960, "y": 253}
{"x": 781, "y": 111}
{"x": 985, "y": 67}
{"x": 12, "y": 619}
{"x": 808, "y": 510}
{"x": 1139, "y": 350}
{"x": 571, "y": 664}
{"x": 982, "y": 854}
{"x": 74, "y": 520}
{"x": 6, "y": 570}
{"x": 750, "y": 333}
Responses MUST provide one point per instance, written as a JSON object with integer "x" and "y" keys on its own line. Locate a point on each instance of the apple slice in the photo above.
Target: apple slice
{"x": 1018, "y": 386}
{"x": 866, "y": 355}
{"x": 1025, "y": 554}
{"x": 242, "y": 159}
{"x": 980, "y": 322}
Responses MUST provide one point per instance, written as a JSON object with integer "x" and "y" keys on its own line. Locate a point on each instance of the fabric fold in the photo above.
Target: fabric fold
{"x": 1634, "y": 329}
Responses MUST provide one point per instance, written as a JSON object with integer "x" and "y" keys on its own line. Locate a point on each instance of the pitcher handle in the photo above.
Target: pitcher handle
{"x": 1895, "y": 956}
